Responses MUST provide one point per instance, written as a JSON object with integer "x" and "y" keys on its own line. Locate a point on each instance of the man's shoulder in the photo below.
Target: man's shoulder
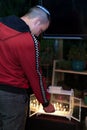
{"x": 15, "y": 23}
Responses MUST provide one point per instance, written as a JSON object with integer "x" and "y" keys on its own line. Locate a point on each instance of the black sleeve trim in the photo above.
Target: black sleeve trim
{"x": 45, "y": 104}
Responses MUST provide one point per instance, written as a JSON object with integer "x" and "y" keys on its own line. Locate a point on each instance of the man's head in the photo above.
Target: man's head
{"x": 38, "y": 19}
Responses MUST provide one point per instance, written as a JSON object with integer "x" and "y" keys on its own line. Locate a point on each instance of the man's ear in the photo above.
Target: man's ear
{"x": 37, "y": 21}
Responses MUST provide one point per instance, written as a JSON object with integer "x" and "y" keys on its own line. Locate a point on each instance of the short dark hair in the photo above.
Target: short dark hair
{"x": 39, "y": 11}
{"x": 45, "y": 10}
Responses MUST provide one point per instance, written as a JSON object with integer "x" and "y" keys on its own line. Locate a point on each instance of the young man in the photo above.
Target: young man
{"x": 20, "y": 68}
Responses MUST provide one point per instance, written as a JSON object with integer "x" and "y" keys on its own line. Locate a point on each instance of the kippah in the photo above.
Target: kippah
{"x": 44, "y": 9}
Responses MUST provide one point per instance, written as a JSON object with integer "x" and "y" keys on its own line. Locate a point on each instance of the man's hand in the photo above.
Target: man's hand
{"x": 50, "y": 108}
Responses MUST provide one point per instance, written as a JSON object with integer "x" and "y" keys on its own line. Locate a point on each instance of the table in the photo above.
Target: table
{"x": 45, "y": 122}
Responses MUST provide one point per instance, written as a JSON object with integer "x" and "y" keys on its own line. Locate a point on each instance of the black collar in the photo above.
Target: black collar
{"x": 15, "y": 23}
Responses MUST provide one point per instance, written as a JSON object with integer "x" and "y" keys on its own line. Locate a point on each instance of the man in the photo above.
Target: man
{"x": 19, "y": 66}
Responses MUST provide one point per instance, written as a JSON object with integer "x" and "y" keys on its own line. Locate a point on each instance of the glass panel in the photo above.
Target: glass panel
{"x": 76, "y": 109}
